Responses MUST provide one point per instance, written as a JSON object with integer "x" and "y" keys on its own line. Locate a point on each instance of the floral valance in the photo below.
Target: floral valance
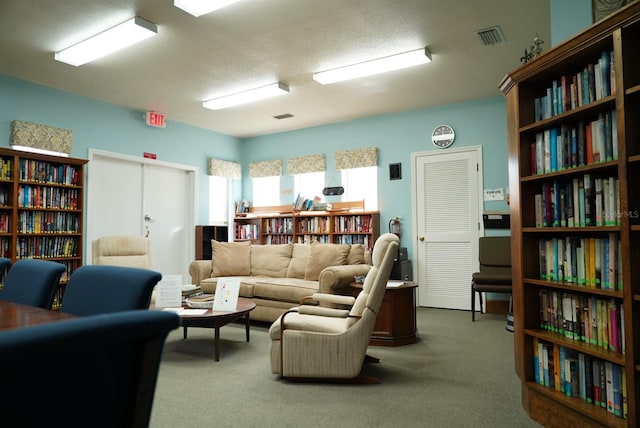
{"x": 305, "y": 164}
{"x": 34, "y": 135}
{"x": 268, "y": 168}
{"x": 357, "y": 158}
{"x": 223, "y": 168}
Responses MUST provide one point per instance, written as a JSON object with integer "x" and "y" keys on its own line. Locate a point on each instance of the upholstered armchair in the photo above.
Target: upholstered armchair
{"x": 317, "y": 342}
{"x": 122, "y": 250}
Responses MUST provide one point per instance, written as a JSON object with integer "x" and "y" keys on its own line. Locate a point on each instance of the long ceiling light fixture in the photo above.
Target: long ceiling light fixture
{"x": 376, "y": 66}
{"x": 115, "y": 38}
{"x": 251, "y": 95}
{"x": 201, "y": 7}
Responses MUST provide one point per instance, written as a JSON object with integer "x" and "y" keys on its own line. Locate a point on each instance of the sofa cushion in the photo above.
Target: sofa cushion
{"x": 298, "y": 263}
{"x": 325, "y": 255}
{"x": 270, "y": 260}
{"x": 284, "y": 289}
{"x": 356, "y": 255}
{"x": 231, "y": 258}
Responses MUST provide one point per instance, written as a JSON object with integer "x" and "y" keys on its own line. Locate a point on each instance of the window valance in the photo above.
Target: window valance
{"x": 357, "y": 158}
{"x": 268, "y": 168}
{"x": 223, "y": 168}
{"x": 305, "y": 164}
{"x": 35, "y": 135}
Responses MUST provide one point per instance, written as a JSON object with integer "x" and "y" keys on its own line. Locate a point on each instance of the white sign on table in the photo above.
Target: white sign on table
{"x": 226, "y": 297}
{"x": 169, "y": 292}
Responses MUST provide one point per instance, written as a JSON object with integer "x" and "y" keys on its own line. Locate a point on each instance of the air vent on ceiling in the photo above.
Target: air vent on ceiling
{"x": 490, "y": 36}
{"x": 283, "y": 116}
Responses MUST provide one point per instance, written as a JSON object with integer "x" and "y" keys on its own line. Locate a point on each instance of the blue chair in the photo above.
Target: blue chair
{"x": 97, "y": 289}
{"x": 97, "y": 371}
{"x": 32, "y": 282}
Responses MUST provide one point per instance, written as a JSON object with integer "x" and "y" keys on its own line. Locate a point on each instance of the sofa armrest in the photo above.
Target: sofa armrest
{"x": 199, "y": 270}
{"x": 336, "y": 279}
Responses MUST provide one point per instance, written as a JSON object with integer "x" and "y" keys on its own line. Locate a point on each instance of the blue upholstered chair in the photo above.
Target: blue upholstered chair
{"x": 96, "y": 289}
{"x": 32, "y": 282}
{"x": 5, "y": 264}
{"x": 96, "y": 371}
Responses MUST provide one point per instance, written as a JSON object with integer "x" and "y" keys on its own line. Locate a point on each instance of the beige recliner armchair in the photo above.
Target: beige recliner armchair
{"x": 315, "y": 342}
{"x": 122, "y": 250}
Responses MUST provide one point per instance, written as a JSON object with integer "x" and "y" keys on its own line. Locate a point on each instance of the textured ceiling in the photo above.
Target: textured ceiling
{"x": 256, "y": 42}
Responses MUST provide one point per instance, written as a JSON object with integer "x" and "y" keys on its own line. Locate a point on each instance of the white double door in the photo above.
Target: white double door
{"x": 129, "y": 195}
{"x": 447, "y": 218}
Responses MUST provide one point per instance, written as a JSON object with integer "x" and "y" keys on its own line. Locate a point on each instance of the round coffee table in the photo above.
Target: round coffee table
{"x": 214, "y": 319}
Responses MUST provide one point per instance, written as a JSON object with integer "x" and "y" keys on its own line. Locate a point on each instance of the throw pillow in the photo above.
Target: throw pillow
{"x": 356, "y": 255}
{"x": 323, "y": 256}
{"x": 231, "y": 258}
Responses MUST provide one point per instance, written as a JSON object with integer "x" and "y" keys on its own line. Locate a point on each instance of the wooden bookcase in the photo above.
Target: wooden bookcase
{"x": 41, "y": 209}
{"x": 561, "y": 298}
{"x": 204, "y": 235}
{"x": 281, "y": 225}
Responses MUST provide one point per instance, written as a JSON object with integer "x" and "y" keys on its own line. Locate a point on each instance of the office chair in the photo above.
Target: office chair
{"x": 96, "y": 289}
{"x": 495, "y": 269}
{"x": 32, "y": 282}
{"x": 98, "y": 371}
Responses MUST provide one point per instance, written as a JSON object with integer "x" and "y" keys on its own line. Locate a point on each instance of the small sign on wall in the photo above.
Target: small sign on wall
{"x": 494, "y": 194}
{"x": 155, "y": 119}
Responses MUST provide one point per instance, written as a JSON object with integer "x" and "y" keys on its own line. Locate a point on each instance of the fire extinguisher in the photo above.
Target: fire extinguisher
{"x": 394, "y": 226}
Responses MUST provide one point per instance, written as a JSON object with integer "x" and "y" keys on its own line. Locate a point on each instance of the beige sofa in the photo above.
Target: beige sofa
{"x": 277, "y": 277}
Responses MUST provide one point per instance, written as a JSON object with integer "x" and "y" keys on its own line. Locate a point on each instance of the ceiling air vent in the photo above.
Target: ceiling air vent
{"x": 283, "y": 116}
{"x": 490, "y": 36}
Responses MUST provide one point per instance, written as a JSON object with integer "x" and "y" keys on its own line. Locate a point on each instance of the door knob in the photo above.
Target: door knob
{"x": 147, "y": 217}
{"x": 421, "y": 238}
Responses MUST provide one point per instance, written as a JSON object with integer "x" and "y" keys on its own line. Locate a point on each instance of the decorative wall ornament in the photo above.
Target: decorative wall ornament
{"x": 37, "y": 136}
{"x": 306, "y": 164}
{"x": 268, "y": 168}
{"x": 358, "y": 158}
{"x": 534, "y": 51}
{"x": 603, "y": 8}
{"x": 223, "y": 168}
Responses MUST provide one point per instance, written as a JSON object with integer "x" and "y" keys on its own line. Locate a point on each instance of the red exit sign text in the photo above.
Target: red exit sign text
{"x": 155, "y": 119}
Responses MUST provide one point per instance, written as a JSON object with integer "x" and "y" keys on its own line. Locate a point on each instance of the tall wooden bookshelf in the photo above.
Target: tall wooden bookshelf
{"x": 282, "y": 225}
{"x": 572, "y": 277}
{"x": 204, "y": 235}
{"x": 41, "y": 208}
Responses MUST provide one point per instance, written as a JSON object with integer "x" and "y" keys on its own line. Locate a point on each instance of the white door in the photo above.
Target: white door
{"x": 447, "y": 218}
{"x": 129, "y": 195}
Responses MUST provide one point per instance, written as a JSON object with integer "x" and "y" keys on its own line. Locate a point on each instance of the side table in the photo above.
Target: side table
{"x": 396, "y": 320}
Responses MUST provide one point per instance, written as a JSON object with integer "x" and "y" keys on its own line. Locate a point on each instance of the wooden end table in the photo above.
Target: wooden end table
{"x": 396, "y": 321}
{"x": 215, "y": 320}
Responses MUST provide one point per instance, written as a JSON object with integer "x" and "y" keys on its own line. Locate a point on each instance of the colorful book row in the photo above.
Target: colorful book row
{"x": 353, "y": 223}
{"x": 5, "y": 245}
{"x": 5, "y": 169}
{"x": 579, "y": 202}
{"x": 586, "y": 143}
{"x": 313, "y": 225}
{"x": 586, "y": 262}
{"x": 246, "y": 231}
{"x": 581, "y": 376}
{"x": 592, "y": 83}
{"x": 48, "y": 197}
{"x": 47, "y": 247}
{"x": 5, "y": 222}
{"x": 278, "y": 239}
{"x": 278, "y": 225}
{"x": 313, "y": 239}
{"x": 589, "y": 319}
{"x": 46, "y": 172}
{"x": 47, "y": 222}
{"x": 354, "y": 239}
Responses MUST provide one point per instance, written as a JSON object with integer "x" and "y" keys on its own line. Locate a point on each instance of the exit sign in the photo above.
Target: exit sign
{"x": 155, "y": 119}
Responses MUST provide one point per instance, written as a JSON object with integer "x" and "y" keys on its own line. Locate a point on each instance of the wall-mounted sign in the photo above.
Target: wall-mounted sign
{"x": 155, "y": 119}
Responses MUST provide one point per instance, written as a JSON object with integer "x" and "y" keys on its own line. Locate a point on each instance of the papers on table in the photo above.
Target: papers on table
{"x": 169, "y": 292}
{"x": 392, "y": 284}
{"x": 226, "y": 297}
{"x": 184, "y": 311}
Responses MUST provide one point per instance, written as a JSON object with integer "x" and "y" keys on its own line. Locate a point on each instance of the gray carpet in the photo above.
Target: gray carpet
{"x": 459, "y": 374}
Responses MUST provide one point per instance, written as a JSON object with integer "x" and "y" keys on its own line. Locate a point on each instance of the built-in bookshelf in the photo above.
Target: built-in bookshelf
{"x": 573, "y": 118}
{"x": 347, "y": 223}
{"x": 41, "y": 209}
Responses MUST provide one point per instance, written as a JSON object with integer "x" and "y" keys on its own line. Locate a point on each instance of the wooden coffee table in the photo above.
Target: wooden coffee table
{"x": 215, "y": 319}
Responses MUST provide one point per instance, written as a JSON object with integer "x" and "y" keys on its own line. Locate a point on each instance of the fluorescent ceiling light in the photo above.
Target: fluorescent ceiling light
{"x": 376, "y": 66}
{"x": 260, "y": 93}
{"x": 109, "y": 41}
{"x": 201, "y": 7}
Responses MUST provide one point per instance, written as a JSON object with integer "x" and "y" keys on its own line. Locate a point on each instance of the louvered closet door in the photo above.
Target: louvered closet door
{"x": 448, "y": 210}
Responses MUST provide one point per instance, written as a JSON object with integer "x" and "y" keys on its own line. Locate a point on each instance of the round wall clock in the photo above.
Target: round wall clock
{"x": 443, "y": 136}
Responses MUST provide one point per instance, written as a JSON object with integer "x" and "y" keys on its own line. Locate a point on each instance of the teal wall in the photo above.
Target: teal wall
{"x": 568, "y": 17}
{"x": 111, "y": 128}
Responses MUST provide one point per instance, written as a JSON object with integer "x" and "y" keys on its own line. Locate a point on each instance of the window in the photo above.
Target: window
{"x": 359, "y": 184}
{"x": 218, "y": 200}
{"x": 309, "y": 185}
{"x": 266, "y": 191}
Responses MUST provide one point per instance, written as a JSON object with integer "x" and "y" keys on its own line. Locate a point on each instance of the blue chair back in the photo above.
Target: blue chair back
{"x": 5, "y": 264}
{"x": 97, "y": 289}
{"x": 96, "y": 371}
{"x": 32, "y": 282}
